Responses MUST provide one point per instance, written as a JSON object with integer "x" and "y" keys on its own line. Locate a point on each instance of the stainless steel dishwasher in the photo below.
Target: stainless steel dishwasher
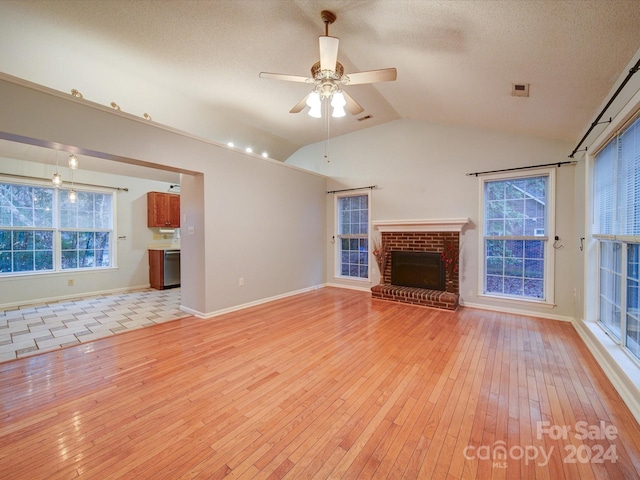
{"x": 171, "y": 268}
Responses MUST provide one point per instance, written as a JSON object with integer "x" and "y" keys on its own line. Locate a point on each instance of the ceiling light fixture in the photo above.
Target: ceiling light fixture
{"x": 147, "y": 117}
{"x": 248, "y": 150}
{"x": 115, "y": 106}
{"x": 56, "y": 179}
{"x": 338, "y": 103}
{"x": 265, "y": 154}
{"x": 76, "y": 93}
{"x": 73, "y": 162}
{"x": 230, "y": 144}
{"x": 73, "y": 196}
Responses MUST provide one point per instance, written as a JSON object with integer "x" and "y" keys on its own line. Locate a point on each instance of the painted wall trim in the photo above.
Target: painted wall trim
{"x": 236, "y": 308}
{"x": 424, "y": 225}
{"x": 96, "y": 106}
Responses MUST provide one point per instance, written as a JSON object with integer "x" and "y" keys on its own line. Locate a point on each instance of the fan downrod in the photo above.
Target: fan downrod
{"x": 328, "y": 18}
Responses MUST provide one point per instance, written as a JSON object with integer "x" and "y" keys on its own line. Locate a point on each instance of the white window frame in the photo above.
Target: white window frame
{"x": 337, "y": 237}
{"x": 592, "y": 260}
{"x": 549, "y": 251}
{"x": 57, "y": 229}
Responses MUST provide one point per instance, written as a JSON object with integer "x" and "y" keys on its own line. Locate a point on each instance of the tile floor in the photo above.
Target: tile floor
{"x": 33, "y": 329}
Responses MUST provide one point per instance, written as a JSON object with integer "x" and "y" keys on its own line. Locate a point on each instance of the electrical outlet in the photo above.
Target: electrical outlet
{"x": 240, "y": 282}
{"x": 70, "y": 282}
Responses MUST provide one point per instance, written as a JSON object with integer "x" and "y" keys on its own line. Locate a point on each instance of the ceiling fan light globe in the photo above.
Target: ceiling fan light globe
{"x": 338, "y": 112}
{"x": 338, "y": 101}
{"x": 313, "y": 100}
{"x": 315, "y": 112}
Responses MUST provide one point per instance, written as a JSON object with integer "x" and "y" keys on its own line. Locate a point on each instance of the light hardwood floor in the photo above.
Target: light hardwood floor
{"x": 328, "y": 384}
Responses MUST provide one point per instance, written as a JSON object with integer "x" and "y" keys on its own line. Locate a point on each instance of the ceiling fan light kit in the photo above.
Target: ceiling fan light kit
{"x": 328, "y": 77}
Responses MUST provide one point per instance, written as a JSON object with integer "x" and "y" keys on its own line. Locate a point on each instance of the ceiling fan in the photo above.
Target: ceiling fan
{"x": 328, "y": 77}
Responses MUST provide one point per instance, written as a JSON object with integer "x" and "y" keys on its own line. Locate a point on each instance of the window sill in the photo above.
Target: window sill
{"x": 518, "y": 301}
{"x": 84, "y": 271}
{"x": 352, "y": 279}
{"x": 622, "y": 370}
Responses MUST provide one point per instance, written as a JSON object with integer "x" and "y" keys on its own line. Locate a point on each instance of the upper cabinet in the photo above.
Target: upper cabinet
{"x": 163, "y": 210}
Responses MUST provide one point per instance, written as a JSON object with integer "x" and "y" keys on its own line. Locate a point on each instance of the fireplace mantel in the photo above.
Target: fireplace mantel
{"x": 429, "y": 225}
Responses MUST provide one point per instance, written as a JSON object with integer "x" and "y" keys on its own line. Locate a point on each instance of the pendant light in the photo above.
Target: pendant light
{"x": 73, "y": 162}
{"x": 56, "y": 179}
{"x": 73, "y": 196}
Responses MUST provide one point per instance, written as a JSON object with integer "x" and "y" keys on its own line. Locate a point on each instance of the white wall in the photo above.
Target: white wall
{"x": 252, "y": 217}
{"x": 132, "y": 258}
{"x": 420, "y": 170}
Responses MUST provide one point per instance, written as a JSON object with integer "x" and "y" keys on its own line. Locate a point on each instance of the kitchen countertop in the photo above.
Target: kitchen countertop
{"x": 163, "y": 246}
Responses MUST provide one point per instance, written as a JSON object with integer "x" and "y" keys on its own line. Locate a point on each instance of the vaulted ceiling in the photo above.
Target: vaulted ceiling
{"x": 194, "y": 65}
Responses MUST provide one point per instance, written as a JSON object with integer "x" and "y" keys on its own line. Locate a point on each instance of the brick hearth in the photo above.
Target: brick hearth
{"x": 419, "y": 241}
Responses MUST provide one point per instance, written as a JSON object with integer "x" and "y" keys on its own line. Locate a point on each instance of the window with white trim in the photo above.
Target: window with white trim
{"x": 616, "y": 228}
{"x": 352, "y": 245}
{"x": 41, "y": 231}
{"x": 517, "y": 212}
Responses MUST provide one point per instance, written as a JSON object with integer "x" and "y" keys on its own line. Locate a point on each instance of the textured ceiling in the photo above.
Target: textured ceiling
{"x": 193, "y": 65}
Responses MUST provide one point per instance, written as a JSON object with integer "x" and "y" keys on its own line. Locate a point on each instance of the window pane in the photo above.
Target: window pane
{"x": 5, "y": 262}
{"x": 69, "y": 259}
{"x": 633, "y": 300}
{"x": 518, "y": 262}
{"x": 23, "y": 261}
{"x": 515, "y": 208}
{"x": 353, "y": 220}
{"x": 85, "y": 249}
{"x": 5, "y": 240}
{"x": 611, "y": 286}
{"x": 26, "y": 206}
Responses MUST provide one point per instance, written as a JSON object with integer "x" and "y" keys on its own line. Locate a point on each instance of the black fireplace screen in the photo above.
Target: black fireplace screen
{"x": 418, "y": 269}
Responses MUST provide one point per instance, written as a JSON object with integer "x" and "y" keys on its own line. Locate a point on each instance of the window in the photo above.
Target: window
{"x": 616, "y": 228}
{"x": 353, "y": 236}
{"x": 41, "y": 231}
{"x": 516, "y": 211}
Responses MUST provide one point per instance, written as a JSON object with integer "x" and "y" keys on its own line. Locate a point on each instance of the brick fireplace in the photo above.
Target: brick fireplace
{"x": 436, "y": 236}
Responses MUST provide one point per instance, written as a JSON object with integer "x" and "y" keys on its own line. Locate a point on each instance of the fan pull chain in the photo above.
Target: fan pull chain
{"x": 327, "y": 120}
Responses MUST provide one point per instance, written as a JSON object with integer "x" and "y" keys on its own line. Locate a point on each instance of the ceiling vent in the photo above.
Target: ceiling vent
{"x": 519, "y": 89}
{"x": 366, "y": 117}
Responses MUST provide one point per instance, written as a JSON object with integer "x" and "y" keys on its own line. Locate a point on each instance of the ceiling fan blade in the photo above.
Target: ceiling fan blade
{"x": 300, "y": 105}
{"x": 352, "y": 106}
{"x": 372, "y": 76}
{"x": 328, "y": 53}
{"x": 287, "y": 78}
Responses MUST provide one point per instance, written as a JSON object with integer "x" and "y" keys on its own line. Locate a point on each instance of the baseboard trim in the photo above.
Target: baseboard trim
{"x": 603, "y": 349}
{"x": 61, "y": 298}
{"x": 236, "y": 308}
{"x": 516, "y": 311}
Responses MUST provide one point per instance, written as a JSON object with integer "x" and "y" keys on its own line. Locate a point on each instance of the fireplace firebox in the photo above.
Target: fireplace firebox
{"x": 417, "y": 269}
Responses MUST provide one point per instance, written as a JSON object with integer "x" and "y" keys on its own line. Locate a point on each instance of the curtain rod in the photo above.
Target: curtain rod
{"x": 632, "y": 71}
{"x": 557, "y": 164}
{"x": 370, "y": 187}
{"x": 123, "y": 189}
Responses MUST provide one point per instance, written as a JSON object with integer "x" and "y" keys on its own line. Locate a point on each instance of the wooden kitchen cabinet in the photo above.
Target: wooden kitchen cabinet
{"x": 156, "y": 270}
{"x": 163, "y": 210}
